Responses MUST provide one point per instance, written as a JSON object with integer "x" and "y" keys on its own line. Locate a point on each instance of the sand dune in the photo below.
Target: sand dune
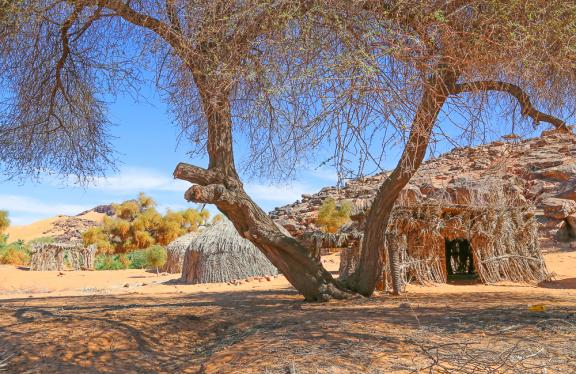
{"x": 53, "y": 226}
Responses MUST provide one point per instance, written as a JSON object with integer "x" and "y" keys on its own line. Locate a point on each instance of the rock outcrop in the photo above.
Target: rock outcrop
{"x": 541, "y": 170}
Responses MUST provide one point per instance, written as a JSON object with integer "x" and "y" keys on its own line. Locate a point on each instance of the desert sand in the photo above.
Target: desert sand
{"x": 133, "y": 321}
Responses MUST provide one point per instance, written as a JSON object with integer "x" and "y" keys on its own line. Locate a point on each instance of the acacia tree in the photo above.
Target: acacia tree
{"x": 290, "y": 75}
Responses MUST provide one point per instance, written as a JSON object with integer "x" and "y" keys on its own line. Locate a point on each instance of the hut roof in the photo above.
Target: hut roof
{"x": 181, "y": 243}
{"x": 220, "y": 254}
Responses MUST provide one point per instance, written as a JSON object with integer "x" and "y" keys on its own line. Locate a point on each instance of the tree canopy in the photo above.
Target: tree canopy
{"x": 137, "y": 225}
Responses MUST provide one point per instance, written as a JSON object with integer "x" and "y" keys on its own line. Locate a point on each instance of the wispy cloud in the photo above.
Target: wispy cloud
{"x": 22, "y": 204}
{"x": 139, "y": 179}
{"x": 129, "y": 180}
{"x": 277, "y": 193}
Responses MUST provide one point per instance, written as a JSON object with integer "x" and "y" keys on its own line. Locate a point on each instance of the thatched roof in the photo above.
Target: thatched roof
{"x": 220, "y": 254}
{"x": 176, "y": 251}
{"x": 182, "y": 243}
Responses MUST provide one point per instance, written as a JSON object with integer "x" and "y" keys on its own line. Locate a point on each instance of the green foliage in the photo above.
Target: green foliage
{"x": 108, "y": 262}
{"x": 4, "y": 221}
{"x": 133, "y": 260}
{"x": 156, "y": 256}
{"x": 331, "y": 216}
{"x": 138, "y": 225}
{"x": 137, "y": 259}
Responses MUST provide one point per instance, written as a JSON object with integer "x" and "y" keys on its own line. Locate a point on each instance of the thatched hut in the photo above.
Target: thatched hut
{"x": 55, "y": 256}
{"x": 176, "y": 251}
{"x": 487, "y": 232}
{"x": 220, "y": 254}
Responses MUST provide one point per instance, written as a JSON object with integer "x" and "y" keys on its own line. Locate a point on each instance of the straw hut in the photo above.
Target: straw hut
{"x": 488, "y": 232}
{"x": 58, "y": 256}
{"x": 220, "y": 254}
{"x": 176, "y": 251}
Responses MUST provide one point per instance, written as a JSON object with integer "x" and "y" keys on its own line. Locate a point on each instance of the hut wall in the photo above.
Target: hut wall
{"x": 220, "y": 254}
{"x": 54, "y": 256}
{"x": 504, "y": 243}
{"x": 174, "y": 261}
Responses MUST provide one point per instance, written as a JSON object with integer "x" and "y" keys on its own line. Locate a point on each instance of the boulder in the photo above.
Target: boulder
{"x": 562, "y": 173}
{"x": 558, "y": 208}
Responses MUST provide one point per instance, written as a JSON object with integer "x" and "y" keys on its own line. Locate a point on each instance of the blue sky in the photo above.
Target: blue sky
{"x": 146, "y": 142}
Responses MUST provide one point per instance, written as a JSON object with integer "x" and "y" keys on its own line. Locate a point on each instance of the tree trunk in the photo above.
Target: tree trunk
{"x": 370, "y": 267}
{"x": 292, "y": 259}
{"x": 219, "y": 184}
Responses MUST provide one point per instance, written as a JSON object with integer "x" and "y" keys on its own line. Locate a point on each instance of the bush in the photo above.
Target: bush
{"x": 137, "y": 259}
{"x": 156, "y": 256}
{"x": 331, "y": 216}
{"x": 108, "y": 262}
{"x": 14, "y": 255}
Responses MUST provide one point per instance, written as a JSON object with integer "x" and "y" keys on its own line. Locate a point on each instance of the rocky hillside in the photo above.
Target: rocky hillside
{"x": 542, "y": 169}
{"x": 62, "y": 228}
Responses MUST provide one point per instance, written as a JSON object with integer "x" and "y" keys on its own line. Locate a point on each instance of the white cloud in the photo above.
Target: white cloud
{"x": 323, "y": 174}
{"x": 27, "y": 205}
{"x": 277, "y": 193}
{"x": 139, "y": 179}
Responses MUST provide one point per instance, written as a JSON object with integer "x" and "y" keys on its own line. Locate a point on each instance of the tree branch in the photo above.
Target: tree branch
{"x": 527, "y": 108}
{"x": 210, "y": 194}
{"x": 173, "y": 15}
{"x": 166, "y": 32}
{"x": 195, "y": 174}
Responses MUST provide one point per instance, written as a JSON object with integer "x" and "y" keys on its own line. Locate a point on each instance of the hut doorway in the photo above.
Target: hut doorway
{"x": 459, "y": 259}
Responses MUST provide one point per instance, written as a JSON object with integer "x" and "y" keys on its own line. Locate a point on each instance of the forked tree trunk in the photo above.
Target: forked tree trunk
{"x": 370, "y": 266}
{"x": 219, "y": 184}
{"x": 292, "y": 259}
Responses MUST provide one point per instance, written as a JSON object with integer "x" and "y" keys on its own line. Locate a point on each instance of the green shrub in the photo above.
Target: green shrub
{"x": 124, "y": 260}
{"x": 156, "y": 256}
{"x": 332, "y": 215}
{"x": 108, "y": 262}
{"x": 137, "y": 259}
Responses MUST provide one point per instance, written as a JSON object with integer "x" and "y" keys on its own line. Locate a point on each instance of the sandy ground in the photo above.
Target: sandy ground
{"x": 46, "y": 227}
{"x": 135, "y": 322}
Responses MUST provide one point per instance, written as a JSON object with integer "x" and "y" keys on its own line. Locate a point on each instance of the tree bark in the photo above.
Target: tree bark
{"x": 370, "y": 266}
{"x": 220, "y": 185}
{"x": 291, "y": 258}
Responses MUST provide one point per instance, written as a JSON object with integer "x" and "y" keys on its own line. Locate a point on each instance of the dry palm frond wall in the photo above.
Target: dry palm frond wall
{"x": 500, "y": 227}
{"x": 55, "y": 256}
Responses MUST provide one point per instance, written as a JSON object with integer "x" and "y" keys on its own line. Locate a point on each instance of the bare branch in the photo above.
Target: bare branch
{"x": 526, "y": 105}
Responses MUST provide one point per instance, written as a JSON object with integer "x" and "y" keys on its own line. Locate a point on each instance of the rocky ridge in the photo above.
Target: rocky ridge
{"x": 542, "y": 170}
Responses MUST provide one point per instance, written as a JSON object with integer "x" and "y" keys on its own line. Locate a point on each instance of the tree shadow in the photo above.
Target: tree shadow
{"x": 567, "y": 283}
{"x": 246, "y": 330}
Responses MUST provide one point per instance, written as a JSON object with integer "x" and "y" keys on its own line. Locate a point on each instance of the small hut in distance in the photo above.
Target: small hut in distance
{"x": 220, "y": 254}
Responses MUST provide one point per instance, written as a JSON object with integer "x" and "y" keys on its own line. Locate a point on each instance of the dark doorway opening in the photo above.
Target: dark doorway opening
{"x": 459, "y": 260}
